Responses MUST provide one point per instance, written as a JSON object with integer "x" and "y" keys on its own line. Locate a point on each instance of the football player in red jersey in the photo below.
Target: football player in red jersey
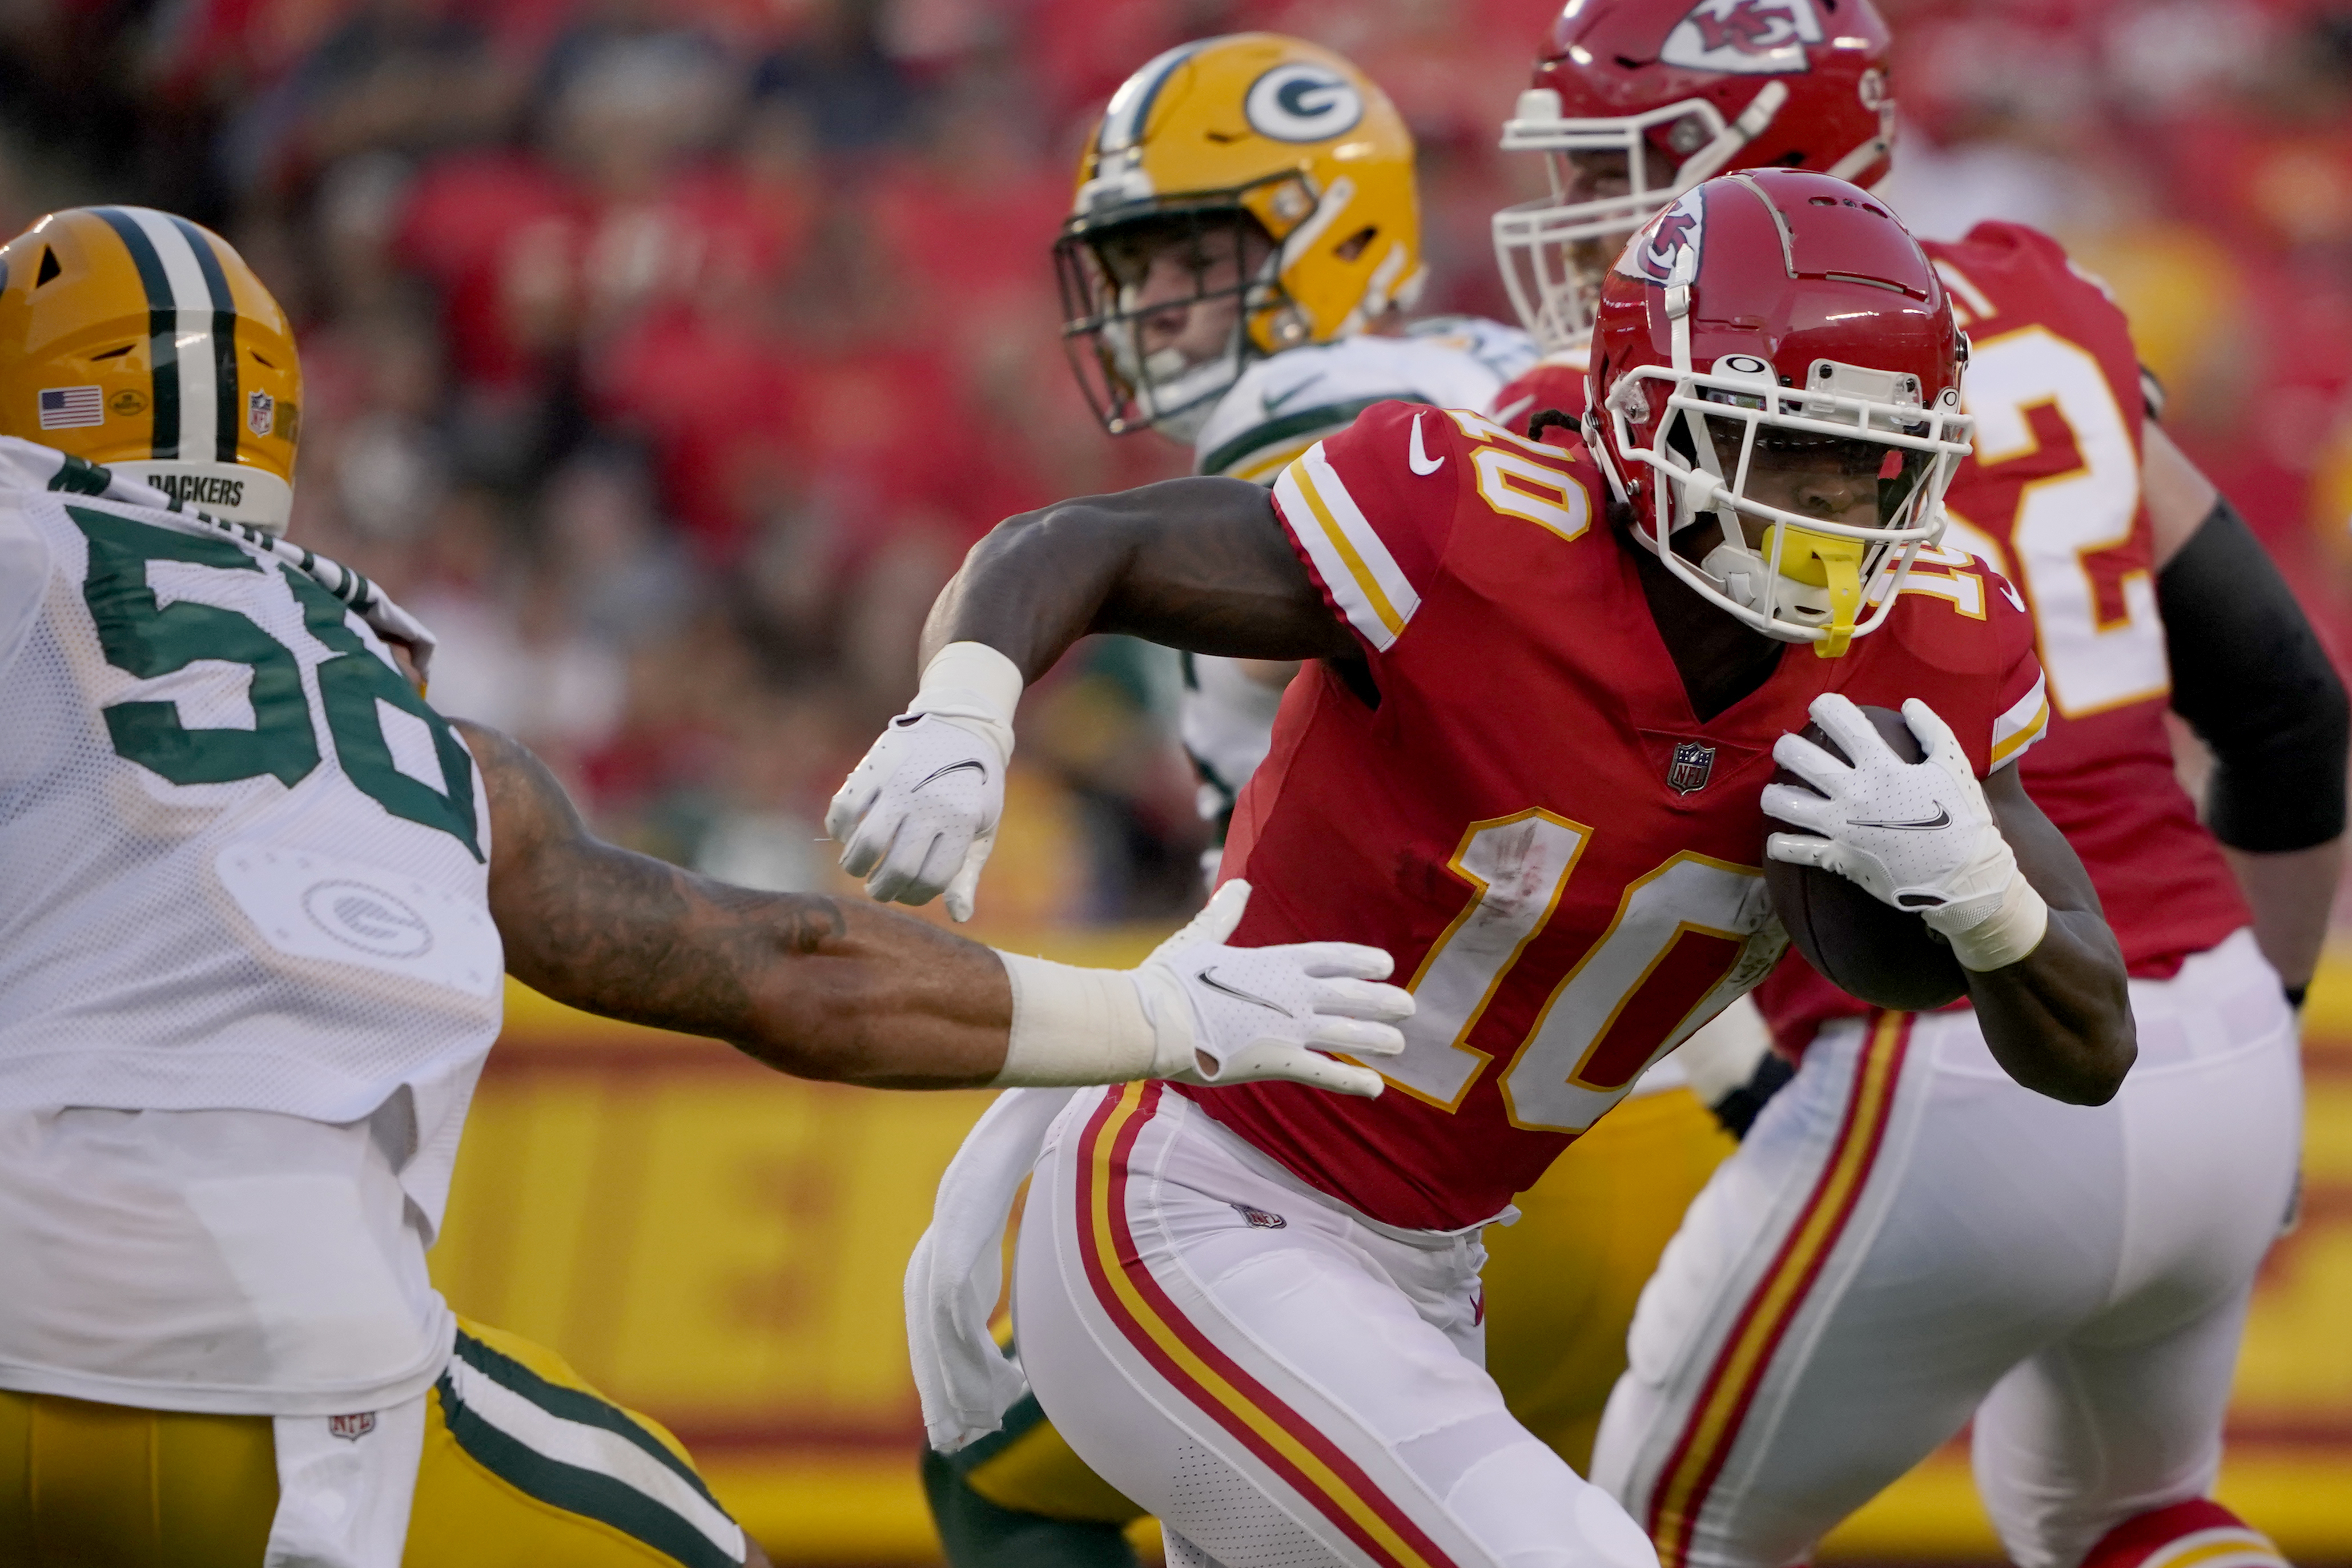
{"x": 1527, "y": 759}
{"x": 1884, "y": 1255}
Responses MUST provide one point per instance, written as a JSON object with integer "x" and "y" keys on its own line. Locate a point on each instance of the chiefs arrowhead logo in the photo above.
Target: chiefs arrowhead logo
{"x": 1751, "y": 37}
{"x": 1653, "y": 251}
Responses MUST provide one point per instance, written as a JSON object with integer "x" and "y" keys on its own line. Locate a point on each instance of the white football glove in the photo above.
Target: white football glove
{"x": 917, "y": 816}
{"x": 1917, "y": 835}
{"x": 1243, "y": 1014}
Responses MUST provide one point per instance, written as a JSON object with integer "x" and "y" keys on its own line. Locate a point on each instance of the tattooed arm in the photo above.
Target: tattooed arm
{"x": 811, "y": 985}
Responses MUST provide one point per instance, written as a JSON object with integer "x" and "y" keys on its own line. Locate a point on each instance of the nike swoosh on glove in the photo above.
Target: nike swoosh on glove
{"x": 917, "y": 816}
{"x": 1919, "y": 835}
{"x": 1240, "y": 1014}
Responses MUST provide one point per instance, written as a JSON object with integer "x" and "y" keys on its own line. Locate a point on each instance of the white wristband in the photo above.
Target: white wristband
{"x": 1072, "y": 1025}
{"x": 971, "y": 680}
{"x": 2011, "y": 931}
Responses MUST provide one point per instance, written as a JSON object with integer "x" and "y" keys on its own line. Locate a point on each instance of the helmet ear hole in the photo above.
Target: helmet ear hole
{"x": 48, "y": 268}
{"x": 1353, "y": 245}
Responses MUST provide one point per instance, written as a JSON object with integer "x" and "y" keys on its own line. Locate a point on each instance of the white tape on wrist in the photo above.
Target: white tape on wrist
{"x": 1072, "y": 1025}
{"x": 2012, "y": 930}
{"x": 971, "y": 680}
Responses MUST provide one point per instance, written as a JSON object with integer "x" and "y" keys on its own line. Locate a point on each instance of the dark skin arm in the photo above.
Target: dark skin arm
{"x": 812, "y": 986}
{"x": 2059, "y": 1020}
{"x": 1202, "y": 564}
{"x": 1199, "y": 565}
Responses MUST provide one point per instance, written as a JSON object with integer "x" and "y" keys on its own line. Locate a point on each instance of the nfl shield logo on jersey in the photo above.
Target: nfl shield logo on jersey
{"x": 1693, "y": 761}
{"x": 351, "y": 1428}
{"x": 1258, "y": 1219}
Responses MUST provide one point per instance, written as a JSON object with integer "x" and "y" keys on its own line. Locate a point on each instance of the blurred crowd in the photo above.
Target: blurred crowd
{"x": 667, "y": 355}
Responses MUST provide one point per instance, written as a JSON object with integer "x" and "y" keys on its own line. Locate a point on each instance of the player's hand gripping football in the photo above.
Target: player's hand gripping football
{"x": 1237, "y": 1015}
{"x": 917, "y": 816}
{"x": 1919, "y": 835}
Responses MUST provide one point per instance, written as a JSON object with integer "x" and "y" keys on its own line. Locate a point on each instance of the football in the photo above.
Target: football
{"x": 1869, "y": 948}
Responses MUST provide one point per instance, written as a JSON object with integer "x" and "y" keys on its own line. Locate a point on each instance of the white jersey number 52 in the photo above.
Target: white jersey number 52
{"x": 2097, "y": 657}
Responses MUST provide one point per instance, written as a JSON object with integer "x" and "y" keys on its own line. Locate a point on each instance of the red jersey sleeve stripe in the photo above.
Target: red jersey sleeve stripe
{"x": 1357, "y": 569}
{"x": 2026, "y": 722}
{"x": 1285, "y": 1441}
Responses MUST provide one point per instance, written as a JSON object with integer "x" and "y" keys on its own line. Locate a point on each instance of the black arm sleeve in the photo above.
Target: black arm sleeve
{"x": 2250, "y": 676}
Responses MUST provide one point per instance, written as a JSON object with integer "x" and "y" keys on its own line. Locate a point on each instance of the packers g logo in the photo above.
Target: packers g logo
{"x": 1302, "y": 102}
{"x": 367, "y": 918}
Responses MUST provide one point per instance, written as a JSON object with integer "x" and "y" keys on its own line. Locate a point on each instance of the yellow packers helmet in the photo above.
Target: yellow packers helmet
{"x": 1243, "y": 196}
{"x": 144, "y": 342}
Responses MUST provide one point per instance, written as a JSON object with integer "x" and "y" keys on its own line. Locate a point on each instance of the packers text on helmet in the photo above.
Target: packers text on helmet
{"x": 144, "y": 342}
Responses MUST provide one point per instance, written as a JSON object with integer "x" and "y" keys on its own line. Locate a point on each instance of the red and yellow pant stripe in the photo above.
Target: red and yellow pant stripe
{"x": 1745, "y": 1360}
{"x": 1276, "y": 1433}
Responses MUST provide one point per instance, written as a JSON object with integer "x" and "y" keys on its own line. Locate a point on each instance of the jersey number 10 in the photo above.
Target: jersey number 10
{"x": 1688, "y": 938}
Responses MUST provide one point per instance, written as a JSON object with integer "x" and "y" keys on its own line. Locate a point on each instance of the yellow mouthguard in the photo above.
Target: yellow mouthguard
{"x": 1822, "y": 561}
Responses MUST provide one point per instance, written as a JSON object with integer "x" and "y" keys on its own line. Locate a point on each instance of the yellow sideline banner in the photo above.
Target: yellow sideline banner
{"x": 722, "y": 1247}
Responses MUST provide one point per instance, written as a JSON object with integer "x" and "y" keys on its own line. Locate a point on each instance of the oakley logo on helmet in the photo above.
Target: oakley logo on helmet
{"x": 1655, "y": 252}
{"x": 1301, "y": 102}
{"x": 1760, "y": 37}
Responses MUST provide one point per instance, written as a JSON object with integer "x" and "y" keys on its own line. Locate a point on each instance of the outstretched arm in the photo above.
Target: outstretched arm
{"x": 1200, "y": 564}
{"x": 2059, "y": 1019}
{"x": 814, "y": 986}
{"x": 824, "y": 988}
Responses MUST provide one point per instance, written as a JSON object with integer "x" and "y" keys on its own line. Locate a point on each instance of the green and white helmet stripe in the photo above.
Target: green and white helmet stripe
{"x": 199, "y": 411}
{"x": 192, "y": 328}
{"x": 1130, "y": 110}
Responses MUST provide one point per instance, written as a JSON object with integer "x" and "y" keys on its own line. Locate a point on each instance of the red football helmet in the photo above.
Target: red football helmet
{"x": 1681, "y": 91}
{"x": 1772, "y": 341}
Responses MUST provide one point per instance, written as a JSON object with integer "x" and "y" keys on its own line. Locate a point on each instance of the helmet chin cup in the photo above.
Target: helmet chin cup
{"x": 1785, "y": 608}
{"x": 1820, "y": 580}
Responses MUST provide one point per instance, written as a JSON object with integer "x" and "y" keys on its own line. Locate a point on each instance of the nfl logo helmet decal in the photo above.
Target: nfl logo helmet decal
{"x": 1758, "y": 37}
{"x": 260, "y": 412}
{"x": 1693, "y": 764}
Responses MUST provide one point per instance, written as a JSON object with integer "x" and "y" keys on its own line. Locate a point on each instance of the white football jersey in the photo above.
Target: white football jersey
{"x": 242, "y": 863}
{"x": 1285, "y": 404}
{"x": 1280, "y": 407}
{"x": 244, "y": 899}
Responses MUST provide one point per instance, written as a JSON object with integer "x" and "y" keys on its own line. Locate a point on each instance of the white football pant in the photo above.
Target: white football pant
{"x": 1907, "y": 1238}
{"x": 1284, "y": 1383}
